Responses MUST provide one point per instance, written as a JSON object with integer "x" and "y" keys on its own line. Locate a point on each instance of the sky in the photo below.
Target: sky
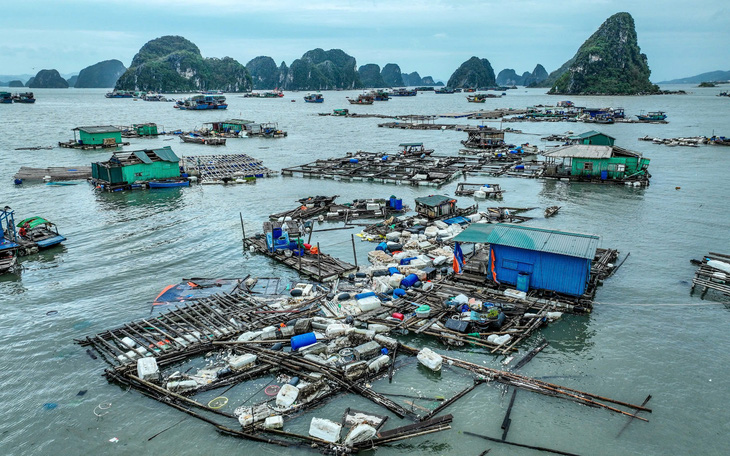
{"x": 434, "y": 37}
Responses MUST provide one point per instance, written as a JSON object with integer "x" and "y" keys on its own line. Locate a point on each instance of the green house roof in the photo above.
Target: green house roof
{"x": 590, "y": 134}
{"x": 475, "y": 232}
{"x": 543, "y": 240}
{"x": 99, "y": 129}
{"x": 433, "y": 200}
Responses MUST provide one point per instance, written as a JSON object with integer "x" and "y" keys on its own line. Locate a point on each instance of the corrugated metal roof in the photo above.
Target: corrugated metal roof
{"x": 543, "y": 240}
{"x": 99, "y": 129}
{"x": 166, "y": 154}
{"x": 580, "y": 151}
{"x": 476, "y": 232}
{"x": 142, "y": 155}
{"x": 433, "y": 200}
{"x": 590, "y": 134}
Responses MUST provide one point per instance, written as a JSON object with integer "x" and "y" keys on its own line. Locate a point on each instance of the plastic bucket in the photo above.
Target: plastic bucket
{"x": 303, "y": 340}
{"x": 409, "y": 280}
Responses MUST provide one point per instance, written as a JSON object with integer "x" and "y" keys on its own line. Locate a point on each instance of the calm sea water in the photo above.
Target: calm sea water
{"x": 646, "y": 335}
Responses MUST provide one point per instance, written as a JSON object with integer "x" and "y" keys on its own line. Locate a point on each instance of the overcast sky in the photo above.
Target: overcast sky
{"x": 680, "y": 38}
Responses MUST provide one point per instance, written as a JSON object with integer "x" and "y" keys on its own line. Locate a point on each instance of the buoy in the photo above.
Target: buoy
{"x": 677, "y": 188}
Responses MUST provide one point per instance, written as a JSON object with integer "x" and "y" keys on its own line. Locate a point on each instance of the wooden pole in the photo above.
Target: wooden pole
{"x": 354, "y": 252}
{"x": 243, "y": 229}
{"x": 319, "y": 263}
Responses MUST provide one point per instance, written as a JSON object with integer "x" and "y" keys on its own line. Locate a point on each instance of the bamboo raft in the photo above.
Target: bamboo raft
{"x": 469, "y": 188}
{"x": 710, "y": 278}
{"x": 424, "y": 126}
{"x": 225, "y": 168}
{"x": 430, "y": 171}
{"x": 75, "y": 145}
{"x": 56, "y": 173}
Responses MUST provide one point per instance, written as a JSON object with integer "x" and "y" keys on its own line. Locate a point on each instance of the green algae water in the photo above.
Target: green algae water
{"x": 647, "y": 335}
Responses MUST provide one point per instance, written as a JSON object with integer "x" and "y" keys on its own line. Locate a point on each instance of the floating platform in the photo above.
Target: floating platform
{"x": 713, "y": 274}
{"x": 56, "y": 173}
{"x": 75, "y": 145}
{"x": 212, "y": 169}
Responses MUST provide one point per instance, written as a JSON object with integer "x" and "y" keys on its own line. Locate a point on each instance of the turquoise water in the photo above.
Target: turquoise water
{"x": 646, "y": 335}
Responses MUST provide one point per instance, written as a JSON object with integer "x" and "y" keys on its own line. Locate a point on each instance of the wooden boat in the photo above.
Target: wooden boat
{"x": 39, "y": 231}
{"x": 652, "y": 116}
{"x": 552, "y": 210}
{"x": 444, "y": 90}
{"x": 403, "y": 93}
{"x": 119, "y": 94}
{"x": 478, "y": 98}
{"x": 26, "y": 97}
{"x": 361, "y": 100}
{"x": 314, "y": 98}
{"x": 153, "y": 96}
{"x": 167, "y": 183}
{"x": 478, "y": 190}
{"x": 6, "y": 98}
{"x": 380, "y": 95}
{"x": 195, "y": 138}
{"x": 417, "y": 149}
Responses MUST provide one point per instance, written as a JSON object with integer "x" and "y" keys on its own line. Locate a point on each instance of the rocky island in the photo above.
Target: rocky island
{"x": 101, "y": 75}
{"x": 473, "y": 73}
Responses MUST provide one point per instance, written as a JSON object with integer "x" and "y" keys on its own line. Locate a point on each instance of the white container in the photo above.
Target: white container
{"x": 286, "y": 396}
{"x": 554, "y": 315}
{"x": 439, "y": 260}
{"x": 360, "y": 433}
{"x": 430, "y": 359}
{"x": 440, "y": 225}
{"x": 241, "y": 361}
{"x": 480, "y": 194}
{"x": 385, "y": 341}
{"x": 430, "y": 232}
{"x": 373, "y": 206}
{"x": 326, "y": 430}
{"x": 147, "y": 369}
{"x": 427, "y": 286}
{"x": 444, "y": 233}
{"x": 515, "y": 294}
{"x": 369, "y": 303}
{"x": 182, "y": 385}
{"x": 474, "y": 217}
{"x": 392, "y": 236}
{"x": 499, "y": 340}
{"x": 461, "y": 299}
{"x": 128, "y": 342}
{"x": 378, "y": 328}
{"x": 248, "y": 335}
{"x": 378, "y": 363}
{"x": 274, "y": 422}
{"x": 336, "y": 330}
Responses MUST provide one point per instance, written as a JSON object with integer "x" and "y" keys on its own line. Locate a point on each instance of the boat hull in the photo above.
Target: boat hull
{"x": 168, "y": 184}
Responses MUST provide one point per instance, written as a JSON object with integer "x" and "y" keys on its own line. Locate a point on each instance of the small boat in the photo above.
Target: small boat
{"x": 361, "y": 100}
{"x": 153, "y": 96}
{"x": 552, "y": 210}
{"x": 470, "y": 90}
{"x": 403, "y": 92}
{"x": 417, "y": 149}
{"x": 652, "y": 116}
{"x": 380, "y": 95}
{"x": 39, "y": 231}
{"x": 196, "y": 138}
{"x": 444, "y": 90}
{"x": 314, "y": 98}
{"x": 478, "y": 98}
{"x": 119, "y": 94}
{"x": 26, "y": 97}
{"x": 6, "y": 98}
{"x": 167, "y": 183}
{"x": 203, "y": 102}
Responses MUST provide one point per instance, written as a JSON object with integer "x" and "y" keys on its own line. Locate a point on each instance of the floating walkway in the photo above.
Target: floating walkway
{"x": 221, "y": 169}
{"x": 56, "y": 173}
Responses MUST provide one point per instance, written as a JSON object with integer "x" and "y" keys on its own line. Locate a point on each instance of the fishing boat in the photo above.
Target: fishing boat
{"x": 153, "y": 96}
{"x": 652, "y": 116}
{"x": 119, "y": 94}
{"x": 203, "y": 102}
{"x": 168, "y": 183}
{"x": 6, "y": 98}
{"x": 314, "y": 98}
{"x": 478, "y": 98}
{"x": 361, "y": 100}
{"x": 444, "y": 90}
{"x": 39, "y": 231}
{"x": 195, "y": 138}
{"x": 26, "y": 97}
{"x": 470, "y": 90}
{"x": 414, "y": 149}
{"x": 552, "y": 210}
{"x": 380, "y": 95}
{"x": 403, "y": 92}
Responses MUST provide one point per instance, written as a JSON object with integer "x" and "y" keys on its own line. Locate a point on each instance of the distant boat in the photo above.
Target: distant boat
{"x": 203, "y": 102}
{"x": 478, "y": 98}
{"x": 361, "y": 100}
{"x": 444, "y": 90}
{"x": 411, "y": 149}
{"x": 314, "y": 98}
{"x": 195, "y": 138}
{"x": 119, "y": 94}
{"x": 153, "y": 96}
{"x": 652, "y": 116}
{"x": 6, "y": 98}
{"x": 167, "y": 183}
{"x": 403, "y": 92}
{"x": 26, "y": 97}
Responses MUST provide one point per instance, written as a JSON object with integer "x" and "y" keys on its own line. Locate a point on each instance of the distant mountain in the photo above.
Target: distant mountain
{"x": 412, "y": 79}
{"x": 101, "y": 75}
{"x": 30, "y": 81}
{"x": 608, "y": 63}
{"x": 473, "y": 73}
{"x": 322, "y": 70}
{"x": 712, "y": 76}
{"x": 264, "y": 73}
{"x": 72, "y": 80}
{"x": 48, "y": 79}
{"x": 392, "y": 75}
{"x": 510, "y": 77}
{"x": 370, "y": 76}
{"x": 174, "y": 64}
{"x": 12, "y": 77}
{"x": 3, "y": 84}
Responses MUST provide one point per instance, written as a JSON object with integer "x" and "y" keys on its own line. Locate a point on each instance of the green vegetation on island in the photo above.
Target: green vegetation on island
{"x": 473, "y": 73}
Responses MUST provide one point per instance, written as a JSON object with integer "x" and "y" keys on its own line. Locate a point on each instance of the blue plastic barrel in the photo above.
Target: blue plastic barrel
{"x": 293, "y": 245}
{"x": 382, "y": 246}
{"x": 409, "y": 280}
{"x": 353, "y": 160}
{"x": 398, "y": 204}
{"x": 523, "y": 281}
{"x": 520, "y": 167}
{"x": 393, "y": 270}
{"x": 399, "y": 292}
{"x": 364, "y": 295}
{"x": 302, "y": 340}
{"x": 604, "y": 175}
{"x": 276, "y": 233}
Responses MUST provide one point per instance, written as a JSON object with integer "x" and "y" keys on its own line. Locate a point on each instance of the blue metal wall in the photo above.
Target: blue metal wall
{"x": 548, "y": 271}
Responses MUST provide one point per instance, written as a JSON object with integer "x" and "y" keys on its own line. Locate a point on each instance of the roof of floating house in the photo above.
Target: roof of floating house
{"x": 476, "y": 232}
{"x": 146, "y": 156}
{"x": 589, "y": 151}
{"x": 433, "y": 200}
{"x": 590, "y": 134}
{"x": 99, "y": 129}
{"x": 543, "y": 240}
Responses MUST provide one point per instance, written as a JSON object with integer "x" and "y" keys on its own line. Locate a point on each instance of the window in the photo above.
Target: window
{"x": 137, "y": 174}
{"x": 621, "y": 168}
{"x": 516, "y": 266}
{"x": 587, "y": 166}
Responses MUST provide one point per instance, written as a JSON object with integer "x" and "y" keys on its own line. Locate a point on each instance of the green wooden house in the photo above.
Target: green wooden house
{"x": 146, "y": 129}
{"x": 104, "y": 135}
{"x": 229, "y": 126}
{"x": 435, "y": 206}
{"x": 596, "y": 163}
{"x": 137, "y": 166}
{"x": 594, "y": 138}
